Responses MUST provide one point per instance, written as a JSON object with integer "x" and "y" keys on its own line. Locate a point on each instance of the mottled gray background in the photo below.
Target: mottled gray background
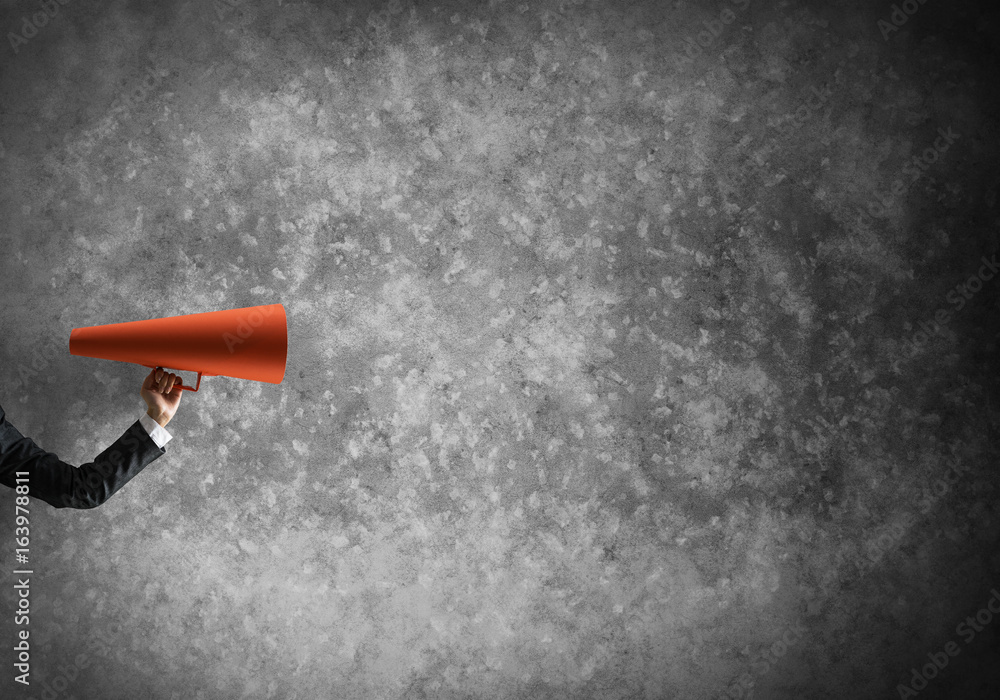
{"x": 598, "y": 381}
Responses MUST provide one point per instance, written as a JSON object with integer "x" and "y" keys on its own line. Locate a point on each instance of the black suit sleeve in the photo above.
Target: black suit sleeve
{"x": 64, "y": 486}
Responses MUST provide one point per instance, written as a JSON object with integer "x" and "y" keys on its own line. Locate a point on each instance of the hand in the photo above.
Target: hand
{"x": 160, "y": 395}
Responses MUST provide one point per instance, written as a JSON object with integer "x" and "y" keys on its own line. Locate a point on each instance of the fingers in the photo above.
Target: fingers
{"x": 164, "y": 381}
{"x": 167, "y": 382}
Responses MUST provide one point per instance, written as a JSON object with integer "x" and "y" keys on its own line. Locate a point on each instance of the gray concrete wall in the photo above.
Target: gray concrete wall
{"x": 609, "y": 373}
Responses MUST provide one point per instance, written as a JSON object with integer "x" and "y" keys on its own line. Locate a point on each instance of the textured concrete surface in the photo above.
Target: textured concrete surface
{"x": 614, "y": 365}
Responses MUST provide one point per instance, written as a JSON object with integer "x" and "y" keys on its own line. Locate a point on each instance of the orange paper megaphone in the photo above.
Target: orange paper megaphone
{"x": 247, "y": 343}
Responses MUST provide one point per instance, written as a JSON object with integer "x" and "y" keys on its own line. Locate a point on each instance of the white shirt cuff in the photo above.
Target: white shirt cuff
{"x": 156, "y": 431}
